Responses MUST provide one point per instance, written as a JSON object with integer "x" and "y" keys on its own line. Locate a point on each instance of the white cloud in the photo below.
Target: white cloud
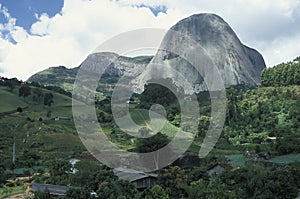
{"x": 271, "y": 26}
{"x": 41, "y": 26}
{"x": 67, "y": 38}
{"x": 280, "y": 50}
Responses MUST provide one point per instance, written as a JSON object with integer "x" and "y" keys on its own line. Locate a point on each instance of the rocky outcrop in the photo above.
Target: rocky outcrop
{"x": 236, "y": 63}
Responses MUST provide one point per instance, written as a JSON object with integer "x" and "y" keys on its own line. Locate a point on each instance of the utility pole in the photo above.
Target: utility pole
{"x": 13, "y": 130}
{"x": 14, "y": 150}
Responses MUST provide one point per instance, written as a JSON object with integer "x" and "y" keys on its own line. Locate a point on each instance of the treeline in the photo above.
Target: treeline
{"x": 249, "y": 181}
{"x": 257, "y": 114}
{"x": 282, "y": 75}
{"x": 11, "y": 83}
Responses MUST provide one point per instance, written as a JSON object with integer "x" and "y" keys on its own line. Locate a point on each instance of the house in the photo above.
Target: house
{"x": 188, "y": 160}
{"x": 218, "y": 168}
{"x": 58, "y": 118}
{"x": 73, "y": 161}
{"x": 141, "y": 180}
{"x": 55, "y": 190}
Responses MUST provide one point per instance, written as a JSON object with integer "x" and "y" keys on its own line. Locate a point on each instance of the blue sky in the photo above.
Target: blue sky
{"x": 37, "y": 34}
{"x": 25, "y": 10}
{"x": 155, "y": 9}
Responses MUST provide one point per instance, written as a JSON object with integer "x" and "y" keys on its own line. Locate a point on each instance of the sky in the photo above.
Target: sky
{"x": 37, "y": 34}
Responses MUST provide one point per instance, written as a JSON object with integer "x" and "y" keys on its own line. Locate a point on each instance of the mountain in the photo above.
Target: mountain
{"x": 236, "y": 63}
{"x": 64, "y": 77}
{"x": 56, "y": 76}
{"x": 215, "y": 40}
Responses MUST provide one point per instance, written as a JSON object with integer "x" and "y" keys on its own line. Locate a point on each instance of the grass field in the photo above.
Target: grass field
{"x": 11, "y": 101}
{"x": 10, "y": 191}
{"x": 34, "y": 130}
{"x": 236, "y": 160}
{"x": 285, "y": 159}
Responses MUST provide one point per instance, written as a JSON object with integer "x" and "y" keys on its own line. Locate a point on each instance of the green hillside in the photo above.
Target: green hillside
{"x": 38, "y": 135}
{"x": 260, "y": 138}
{"x": 56, "y": 76}
{"x": 9, "y": 101}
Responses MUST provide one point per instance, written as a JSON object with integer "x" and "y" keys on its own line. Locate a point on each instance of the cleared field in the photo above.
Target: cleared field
{"x": 236, "y": 160}
{"x": 11, "y": 101}
{"x": 285, "y": 159}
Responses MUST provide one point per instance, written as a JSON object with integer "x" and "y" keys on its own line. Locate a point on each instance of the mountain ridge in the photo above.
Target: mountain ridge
{"x": 237, "y": 63}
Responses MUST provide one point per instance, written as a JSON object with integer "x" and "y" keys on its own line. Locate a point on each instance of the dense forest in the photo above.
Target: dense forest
{"x": 283, "y": 74}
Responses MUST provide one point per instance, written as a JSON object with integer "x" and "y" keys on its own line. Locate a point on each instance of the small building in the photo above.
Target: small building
{"x": 55, "y": 190}
{"x": 73, "y": 161}
{"x": 219, "y": 168}
{"x": 187, "y": 161}
{"x": 58, "y": 118}
{"x": 140, "y": 179}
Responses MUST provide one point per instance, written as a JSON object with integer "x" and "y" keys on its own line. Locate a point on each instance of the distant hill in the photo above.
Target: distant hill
{"x": 56, "y": 76}
{"x": 64, "y": 77}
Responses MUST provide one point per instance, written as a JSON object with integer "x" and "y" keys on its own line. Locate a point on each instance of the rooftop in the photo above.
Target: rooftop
{"x": 132, "y": 175}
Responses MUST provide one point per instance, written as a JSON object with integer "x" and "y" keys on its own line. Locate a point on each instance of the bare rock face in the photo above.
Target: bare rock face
{"x": 116, "y": 65}
{"x": 236, "y": 63}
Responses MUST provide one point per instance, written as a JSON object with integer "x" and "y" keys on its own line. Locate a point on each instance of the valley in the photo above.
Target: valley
{"x": 257, "y": 155}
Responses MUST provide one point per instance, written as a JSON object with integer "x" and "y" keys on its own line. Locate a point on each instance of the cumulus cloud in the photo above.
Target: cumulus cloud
{"x": 271, "y": 26}
{"x": 41, "y": 26}
{"x": 69, "y": 36}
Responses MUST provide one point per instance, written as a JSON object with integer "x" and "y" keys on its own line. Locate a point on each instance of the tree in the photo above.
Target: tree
{"x": 283, "y": 74}
{"x": 48, "y": 99}
{"x": 171, "y": 179}
{"x": 11, "y": 83}
{"x": 42, "y": 194}
{"x": 78, "y": 193}
{"x": 37, "y": 94}
{"x": 3, "y": 173}
{"x": 257, "y": 181}
{"x": 59, "y": 171}
{"x": 24, "y": 90}
{"x": 58, "y": 167}
{"x": 19, "y": 109}
{"x": 146, "y": 145}
{"x": 196, "y": 189}
{"x": 158, "y": 94}
{"x": 155, "y": 192}
{"x": 116, "y": 189}
{"x": 90, "y": 174}
{"x": 151, "y": 144}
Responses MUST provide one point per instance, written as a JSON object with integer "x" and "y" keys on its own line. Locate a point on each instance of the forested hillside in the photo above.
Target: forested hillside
{"x": 283, "y": 74}
{"x": 259, "y": 146}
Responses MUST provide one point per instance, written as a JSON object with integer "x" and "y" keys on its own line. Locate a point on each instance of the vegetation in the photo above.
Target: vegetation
{"x": 260, "y": 141}
{"x": 283, "y": 74}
